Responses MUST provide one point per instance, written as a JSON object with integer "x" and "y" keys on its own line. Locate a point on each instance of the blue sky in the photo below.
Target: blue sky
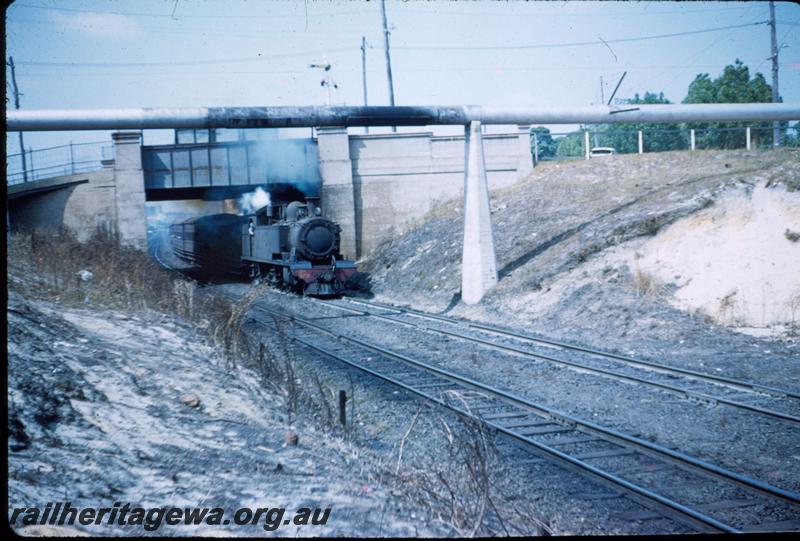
{"x": 102, "y": 53}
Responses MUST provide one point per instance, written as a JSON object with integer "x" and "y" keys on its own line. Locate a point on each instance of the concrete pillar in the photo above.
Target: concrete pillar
{"x": 747, "y": 135}
{"x": 535, "y": 150}
{"x": 586, "y": 144}
{"x": 479, "y": 268}
{"x": 525, "y": 165}
{"x": 691, "y": 137}
{"x": 338, "y": 192}
{"x": 641, "y": 142}
{"x": 129, "y": 197}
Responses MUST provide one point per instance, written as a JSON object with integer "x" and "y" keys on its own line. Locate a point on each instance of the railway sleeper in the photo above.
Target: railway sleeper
{"x": 526, "y": 423}
{"x": 503, "y": 415}
{"x": 778, "y": 526}
{"x": 572, "y": 440}
{"x": 430, "y": 384}
{"x": 652, "y": 467}
{"x": 540, "y": 431}
{"x": 647, "y": 514}
{"x": 607, "y": 453}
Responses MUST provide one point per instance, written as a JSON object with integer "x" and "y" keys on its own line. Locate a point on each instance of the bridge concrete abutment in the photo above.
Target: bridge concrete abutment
{"x": 338, "y": 190}
{"x": 479, "y": 266}
{"x": 129, "y": 198}
{"x": 525, "y": 165}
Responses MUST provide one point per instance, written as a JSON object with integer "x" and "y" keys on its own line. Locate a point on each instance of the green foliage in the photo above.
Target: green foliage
{"x": 545, "y": 142}
{"x": 734, "y": 85}
{"x": 791, "y": 138}
{"x": 657, "y": 137}
{"x": 570, "y": 145}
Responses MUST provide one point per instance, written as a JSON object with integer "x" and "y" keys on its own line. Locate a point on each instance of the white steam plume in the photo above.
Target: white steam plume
{"x": 252, "y": 201}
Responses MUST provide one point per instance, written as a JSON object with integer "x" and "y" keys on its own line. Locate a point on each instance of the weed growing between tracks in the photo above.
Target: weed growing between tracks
{"x": 455, "y": 484}
{"x": 460, "y": 485}
{"x": 302, "y": 389}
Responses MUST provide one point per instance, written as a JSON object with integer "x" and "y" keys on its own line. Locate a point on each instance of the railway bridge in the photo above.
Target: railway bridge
{"x": 375, "y": 185}
{"x": 349, "y": 166}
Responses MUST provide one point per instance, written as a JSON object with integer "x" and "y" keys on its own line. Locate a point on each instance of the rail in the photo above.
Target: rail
{"x": 649, "y": 369}
{"x": 547, "y": 431}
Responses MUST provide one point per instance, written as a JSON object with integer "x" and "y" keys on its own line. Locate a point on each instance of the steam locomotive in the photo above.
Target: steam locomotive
{"x": 291, "y": 246}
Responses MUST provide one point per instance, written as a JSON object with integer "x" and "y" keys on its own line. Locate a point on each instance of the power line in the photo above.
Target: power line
{"x": 408, "y": 48}
{"x": 577, "y": 43}
{"x": 376, "y": 70}
{"x": 781, "y": 44}
{"x": 164, "y": 15}
{"x": 401, "y": 11}
{"x": 182, "y": 29}
{"x": 697, "y": 55}
{"x": 259, "y": 58}
{"x": 571, "y": 14}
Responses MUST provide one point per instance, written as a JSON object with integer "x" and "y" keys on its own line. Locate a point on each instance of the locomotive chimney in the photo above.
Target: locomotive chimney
{"x": 313, "y": 204}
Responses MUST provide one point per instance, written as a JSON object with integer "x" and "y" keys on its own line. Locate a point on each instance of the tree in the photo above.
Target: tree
{"x": 734, "y": 85}
{"x": 546, "y": 145}
{"x": 570, "y": 145}
{"x": 657, "y": 137}
{"x": 791, "y": 137}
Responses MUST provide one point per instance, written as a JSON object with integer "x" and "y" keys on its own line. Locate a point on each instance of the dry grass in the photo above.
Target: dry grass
{"x": 127, "y": 279}
{"x": 122, "y": 277}
{"x": 304, "y": 391}
{"x": 793, "y": 304}
{"x": 727, "y": 309}
{"x": 646, "y": 284}
{"x": 460, "y": 485}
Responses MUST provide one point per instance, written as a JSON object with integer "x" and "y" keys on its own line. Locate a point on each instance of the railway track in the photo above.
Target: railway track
{"x": 694, "y": 492}
{"x": 775, "y": 403}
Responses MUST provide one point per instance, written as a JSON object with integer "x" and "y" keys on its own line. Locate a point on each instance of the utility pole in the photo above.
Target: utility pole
{"x": 602, "y": 93}
{"x": 388, "y": 57}
{"x": 16, "y": 106}
{"x": 776, "y": 126}
{"x": 602, "y": 100}
{"x": 364, "y": 71}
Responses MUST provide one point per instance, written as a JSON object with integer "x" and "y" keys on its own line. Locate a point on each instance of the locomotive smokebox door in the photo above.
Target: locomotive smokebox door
{"x": 319, "y": 239}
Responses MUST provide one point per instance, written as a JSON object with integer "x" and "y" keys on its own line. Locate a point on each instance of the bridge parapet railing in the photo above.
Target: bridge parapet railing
{"x": 56, "y": 161}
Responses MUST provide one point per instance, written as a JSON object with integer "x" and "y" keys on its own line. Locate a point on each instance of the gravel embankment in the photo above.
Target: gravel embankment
{"x": 745, "y": 442}
{"x": 102, "y": 409}
{"x": 563, "y": 239}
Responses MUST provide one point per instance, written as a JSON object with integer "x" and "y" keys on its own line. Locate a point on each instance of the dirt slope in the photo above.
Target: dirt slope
{"x": 97, "y": 416}
{"x": 565, "y": 236}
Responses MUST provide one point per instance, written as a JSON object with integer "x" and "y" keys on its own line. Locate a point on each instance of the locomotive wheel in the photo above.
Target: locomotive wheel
{"x": 272, "y": 276}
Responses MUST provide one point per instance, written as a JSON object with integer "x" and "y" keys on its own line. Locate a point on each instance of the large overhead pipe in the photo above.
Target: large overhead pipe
{"x": 309, "y": 116}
